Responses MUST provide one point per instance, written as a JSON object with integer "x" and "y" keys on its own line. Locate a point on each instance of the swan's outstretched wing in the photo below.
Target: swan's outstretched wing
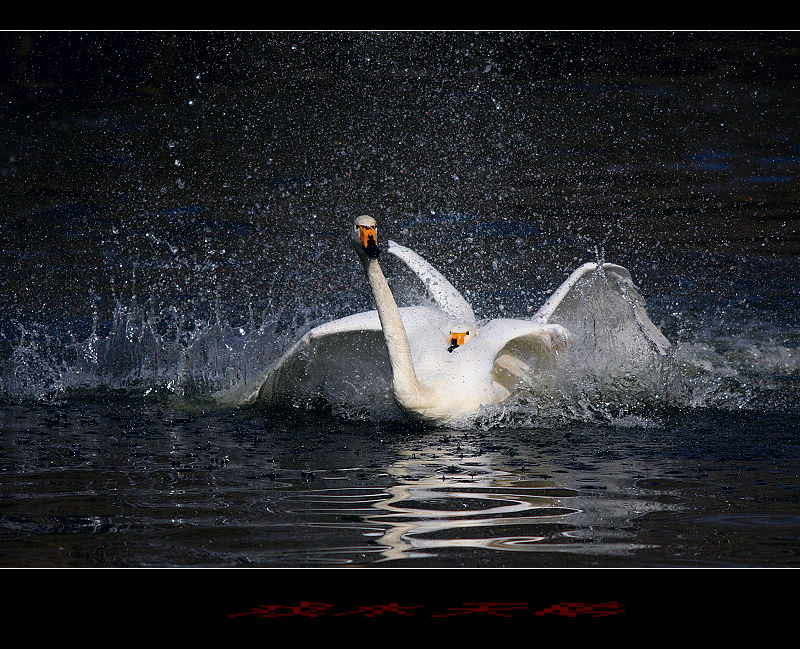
{"x": 552, "y": 303}
{"x": 288, "y": 368}
{"x": 447, "y": 298}
{"x": 340, "y": 362}
{"x": 621, "y": 279}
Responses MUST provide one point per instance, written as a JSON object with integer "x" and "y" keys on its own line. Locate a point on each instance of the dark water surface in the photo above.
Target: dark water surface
{"x": 174, "y": 211}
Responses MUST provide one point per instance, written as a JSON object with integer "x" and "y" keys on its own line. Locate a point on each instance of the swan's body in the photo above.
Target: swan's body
{"x": 443, "y": 366}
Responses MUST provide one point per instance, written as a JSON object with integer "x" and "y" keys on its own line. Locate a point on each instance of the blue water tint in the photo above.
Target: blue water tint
{"x": 710, "y": 156}
{"x": 792, "y": 159}
{"x": 72, "y": 212}
{"x": 712, "y": 166}
{"x": 769, "y": 179}
{"x": 471, "y": 226}
{"x": 710, "y": 161}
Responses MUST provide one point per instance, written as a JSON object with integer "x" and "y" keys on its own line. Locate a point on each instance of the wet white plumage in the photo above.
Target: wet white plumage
{"x": 401, "y": 355}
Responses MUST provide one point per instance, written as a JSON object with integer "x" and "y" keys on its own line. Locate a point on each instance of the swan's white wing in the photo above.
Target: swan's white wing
{"x": 619, "y": 277}
{"x": 282, "y": 373}
{"x": 552, "y": 303}
{"x": 447, "y": 298}
{"x": 338, "y": 367}
{"x": 514, "y": 350}
{"x": 339, "y": 362}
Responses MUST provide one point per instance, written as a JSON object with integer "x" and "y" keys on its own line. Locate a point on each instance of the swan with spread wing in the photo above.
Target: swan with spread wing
{"x": 441, "y": 364}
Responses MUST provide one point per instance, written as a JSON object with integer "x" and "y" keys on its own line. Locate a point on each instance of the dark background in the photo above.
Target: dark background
{"x": 135, "y": 62}
{"x": 55, "y": 84}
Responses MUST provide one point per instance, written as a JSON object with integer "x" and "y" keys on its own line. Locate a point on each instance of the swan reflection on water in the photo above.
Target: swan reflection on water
{"x": 444, "y": 497}
{"x": 438, "y": 365}
{"x": 477, "y": 504}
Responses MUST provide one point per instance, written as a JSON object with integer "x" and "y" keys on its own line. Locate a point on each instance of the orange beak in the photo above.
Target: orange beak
{"x": 457, "y": 339}
{"x": 369, "y": 240}
{"x": 365, "y": 233}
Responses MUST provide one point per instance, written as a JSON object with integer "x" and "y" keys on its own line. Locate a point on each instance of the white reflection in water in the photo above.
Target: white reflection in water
{"x": 481, "y": 507}
{"x": 446, "y": 495}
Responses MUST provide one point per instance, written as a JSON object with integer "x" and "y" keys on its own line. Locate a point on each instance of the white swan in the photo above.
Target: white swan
{"x": 443, "y": 365}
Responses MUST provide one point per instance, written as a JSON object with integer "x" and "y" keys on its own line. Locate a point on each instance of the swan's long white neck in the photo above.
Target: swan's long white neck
{"x": 406, "y": 386}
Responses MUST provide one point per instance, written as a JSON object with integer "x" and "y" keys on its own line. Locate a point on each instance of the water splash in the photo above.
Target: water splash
{"x": 613, "y": 374}
{"x": 143, "y": 352}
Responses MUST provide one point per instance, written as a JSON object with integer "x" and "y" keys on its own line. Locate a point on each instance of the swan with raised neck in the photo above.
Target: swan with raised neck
{"x": 410, "y": 395}
{"x": 439, "y": 381}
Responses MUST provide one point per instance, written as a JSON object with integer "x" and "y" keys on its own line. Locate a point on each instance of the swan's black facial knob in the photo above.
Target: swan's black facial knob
{"x": 372, "y": 248}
